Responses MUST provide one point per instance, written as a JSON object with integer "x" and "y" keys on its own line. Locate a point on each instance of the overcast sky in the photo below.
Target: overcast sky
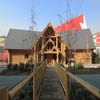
{"x": 16, "y": 13}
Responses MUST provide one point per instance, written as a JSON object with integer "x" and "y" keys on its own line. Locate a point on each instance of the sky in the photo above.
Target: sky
{"x": 17, "y": 13}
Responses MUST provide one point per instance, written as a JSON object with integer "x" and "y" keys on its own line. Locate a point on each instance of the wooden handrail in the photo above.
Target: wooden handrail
{"x": 64, "y": 79}
{"x": 3, "y": 93}
{"x": 63, "y": 73}
{"x": 38, "y": 76}
{"x": 88, "y": 86}
{"x": 17, "y": 88}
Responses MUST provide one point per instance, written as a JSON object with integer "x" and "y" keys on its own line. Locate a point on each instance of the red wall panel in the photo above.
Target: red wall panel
{"x": 98, "y": 39}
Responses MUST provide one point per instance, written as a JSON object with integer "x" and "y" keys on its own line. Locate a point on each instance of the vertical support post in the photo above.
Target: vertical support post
{"x": 42, "y": 49}
{"x": 57, "y": 50}
{"x": 9, "y": 55}
{"x": 34, "y": 83}
{"x": 4, "y": 93}
{"x": 68, "y": 87}
{"x": 35, "y": 54}
{"x": 91, "y": 56}
{"x": 42, "y": 58}
{"x": 64, "y": 56}
{"x": 57, "y": 57}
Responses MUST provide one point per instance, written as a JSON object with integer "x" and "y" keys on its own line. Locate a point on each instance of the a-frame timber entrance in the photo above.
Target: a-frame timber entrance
{"x": 50, "y": 58}
{"x": 48, "y": 45}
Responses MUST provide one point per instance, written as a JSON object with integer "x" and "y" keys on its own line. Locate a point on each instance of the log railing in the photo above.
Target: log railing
{"x": 64, "y": 79}
{"x": 17, "y": 88}
{"x": 9, "y": 95}
{"x": 37, "y": 76}
{"x": 64, "y": 75}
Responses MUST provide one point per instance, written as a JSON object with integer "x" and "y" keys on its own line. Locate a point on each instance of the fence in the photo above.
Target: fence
{"x": 37, "y": 76}
{"x": 8, "y": 95}
{"x": 64, "y": 75}
{"x": 3, "y": 66}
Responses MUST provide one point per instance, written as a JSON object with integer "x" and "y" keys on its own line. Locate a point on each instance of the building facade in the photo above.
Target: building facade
{"x": 77, "y": 23}
{"x": 96, "y": 39}
{"x": 53, "y": 46}
{"x": 2, "y": 41}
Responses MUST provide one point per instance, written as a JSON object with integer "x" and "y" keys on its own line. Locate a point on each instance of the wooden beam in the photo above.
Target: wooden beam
{"x": 4, "y": 93}
{"x": 18, "y": 87}
{"x": 51, "y": 52}
{"x": 50, "y": 40}
{"x": 68, "y": 88}
{"x": 9, "y": 57}
{"x": 88, "y": 86}
{"x": 42, "y": 51}
{"x": 35, "y": 53}
{"x": 50, "y": 37}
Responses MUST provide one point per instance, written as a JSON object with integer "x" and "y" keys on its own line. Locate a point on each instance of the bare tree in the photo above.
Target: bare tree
{"x": 32, "y": 20}
{"x": 71, "y": 38}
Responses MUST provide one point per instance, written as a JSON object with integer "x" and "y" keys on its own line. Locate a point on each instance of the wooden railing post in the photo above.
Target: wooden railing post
{"x": 68, "y": 87}
{"x": 34, "y": 83}
{"x": 37, "y": 78}
{"x": 17, "y": 88}
{"x": 64, "y": 75}
{"x": 4, "y": 93}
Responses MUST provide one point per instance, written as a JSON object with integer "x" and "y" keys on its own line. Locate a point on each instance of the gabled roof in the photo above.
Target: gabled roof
{"x": 81, "y": 39}
{"x": 76, "y": 23}
{"x": 20, "y": 39}
{"x": 24, "y": 39}
{"x": 41, "y": 34}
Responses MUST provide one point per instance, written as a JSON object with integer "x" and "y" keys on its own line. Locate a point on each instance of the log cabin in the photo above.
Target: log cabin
{"x": 23, "y": 45}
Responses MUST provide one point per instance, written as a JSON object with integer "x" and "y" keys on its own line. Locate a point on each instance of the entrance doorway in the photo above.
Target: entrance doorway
{"x": 50, "y": 58}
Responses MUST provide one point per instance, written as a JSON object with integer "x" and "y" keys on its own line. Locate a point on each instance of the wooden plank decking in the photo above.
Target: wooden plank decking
{"x": 50, "y": 87}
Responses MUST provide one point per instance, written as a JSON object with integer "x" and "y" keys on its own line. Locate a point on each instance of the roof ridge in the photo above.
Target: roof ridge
{"x": 75, "y": 30}
{"x": 24, "y": 30}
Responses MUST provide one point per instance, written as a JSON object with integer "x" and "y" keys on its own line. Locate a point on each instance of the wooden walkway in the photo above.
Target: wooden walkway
{"x": 50, "y": 87}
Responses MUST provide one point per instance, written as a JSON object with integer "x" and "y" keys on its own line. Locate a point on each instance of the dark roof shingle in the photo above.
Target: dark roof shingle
{"x": 24, "y": 39}
{"x": 81, "y": 39}
{"x": 20, "y": 39}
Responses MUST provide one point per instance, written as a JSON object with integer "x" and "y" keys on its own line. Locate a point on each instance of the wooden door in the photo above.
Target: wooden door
{"x": 50, "y": 59}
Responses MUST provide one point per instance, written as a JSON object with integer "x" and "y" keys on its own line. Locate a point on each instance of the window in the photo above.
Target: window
{"x": 26, "y": 56}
